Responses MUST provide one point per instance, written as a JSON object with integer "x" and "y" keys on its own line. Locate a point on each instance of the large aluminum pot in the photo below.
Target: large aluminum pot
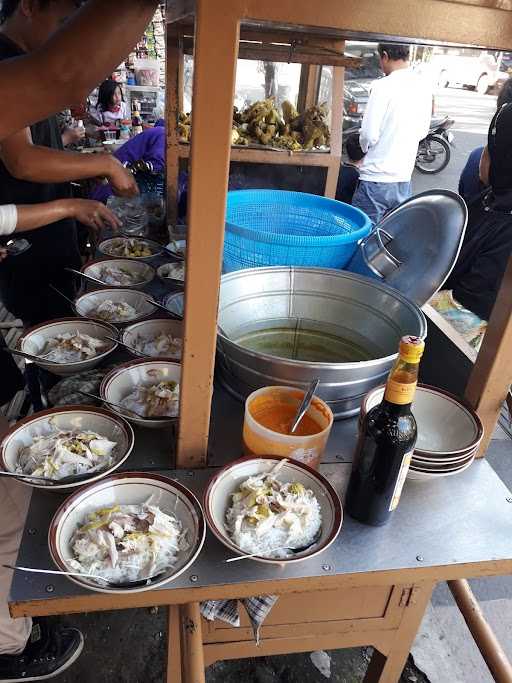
{"x": 330, "y": 314}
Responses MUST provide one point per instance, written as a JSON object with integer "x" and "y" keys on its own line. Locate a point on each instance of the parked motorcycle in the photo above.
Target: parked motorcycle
{"x": 434, "y": 151}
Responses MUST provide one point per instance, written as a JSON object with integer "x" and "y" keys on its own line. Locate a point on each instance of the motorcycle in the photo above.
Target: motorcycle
{"x": 434, "y": 151}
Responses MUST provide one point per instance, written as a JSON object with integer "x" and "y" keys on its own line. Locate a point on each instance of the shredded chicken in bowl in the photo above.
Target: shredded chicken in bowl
{"x": 156, "y": 400}
{"x": 115, "y": 311}
{"x": 162, "y": 345}
{"x": 71, "y": 347}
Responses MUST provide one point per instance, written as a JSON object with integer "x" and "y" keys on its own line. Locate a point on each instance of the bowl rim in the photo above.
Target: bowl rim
{"x": 63, "y": 509}
{"x": 452, "y": 397}
{"x": 131, "y": 261}
{"x": 135, "y": 323}
{"x": 155, "y": 246}
{"x": 118, "y": 290}
{"x": 226, "y": 541}
{"x": 73, "y": 408}
{"x": 119, "y": 369}
{"x": 79, "y": 319}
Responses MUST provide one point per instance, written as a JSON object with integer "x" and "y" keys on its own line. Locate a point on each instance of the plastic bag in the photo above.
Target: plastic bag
{"x": 147, "y": 72}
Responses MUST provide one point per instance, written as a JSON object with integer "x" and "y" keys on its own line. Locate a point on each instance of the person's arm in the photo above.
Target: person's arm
{"x": 26, "y": 161}
{"x": 372, "y": 120}
{"x": 485, "y": 166}
{"x": 29, "y": 217}
{"x": 66, "y": 69}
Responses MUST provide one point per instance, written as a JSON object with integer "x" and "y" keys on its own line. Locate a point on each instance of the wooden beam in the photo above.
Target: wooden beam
{"x": 214, "y": 82}
{"x": 483, "y": 635}
{"x": 491, "y": 377}
{"x": 173, "y": 94}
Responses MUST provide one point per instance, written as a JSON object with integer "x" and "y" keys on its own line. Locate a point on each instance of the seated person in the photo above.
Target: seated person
{"x": 111, "y": 108}
{"x": 349, "y": 171}
{"x": 470, "y": 185}
{"x": 476, "y": 278}
{"x": 149, "y": 146}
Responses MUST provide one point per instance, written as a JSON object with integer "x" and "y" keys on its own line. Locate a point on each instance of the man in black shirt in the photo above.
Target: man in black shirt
{"x": 349, "y": 172}
{"x": 34, "y": 168}
{"x": 487, "y": 246}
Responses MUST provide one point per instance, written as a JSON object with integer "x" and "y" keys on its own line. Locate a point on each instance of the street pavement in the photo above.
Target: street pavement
{"x": 472, "y": 114}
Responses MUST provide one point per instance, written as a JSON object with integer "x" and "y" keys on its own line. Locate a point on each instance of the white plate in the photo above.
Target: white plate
{"x": 87, "y": 304}
{"x": 225, "y": 482}
{"x": 129, "y": 488}
{"x": 143, "y": 272}
{"x": 123, "y": 380}
{"x": 421, "y": 475}
{"x": 149, "y": 329}
{"x": 34, "y": 340}
{"x": 104, "y": 422}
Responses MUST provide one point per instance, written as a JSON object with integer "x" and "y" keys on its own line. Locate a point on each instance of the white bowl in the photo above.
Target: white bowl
{"x": 148, "y": 329}
{"x": 178, "y": 247}
{"x": 422, "y": 475}
{"x": 87, "y": 304}
{"x": 130, "y": 488}
{"x": 175, "y": 303}
{"x": 98, "y": 420}
{"x": 34, "y": 340}
{"x": 106, "y": 247}
{"x": 446, "y": 424}
{"x": 217, "y": 499}
{"x": 169, "y": 272}
{"x": 124, "y": 379}
{"x": 144, "y": 272}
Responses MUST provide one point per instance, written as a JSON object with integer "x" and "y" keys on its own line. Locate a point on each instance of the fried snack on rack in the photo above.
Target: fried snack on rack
{"x": 289, "y": 111}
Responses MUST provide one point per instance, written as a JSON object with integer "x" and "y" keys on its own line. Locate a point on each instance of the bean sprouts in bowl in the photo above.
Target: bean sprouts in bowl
{"x": 49, "y": 433}
{"x": 127, "y": 493}
{"x": 227, "y": 485}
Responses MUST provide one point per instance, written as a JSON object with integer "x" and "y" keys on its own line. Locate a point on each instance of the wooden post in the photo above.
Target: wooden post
{"x": 174, "y": 648}
{"x": 174, "y": 93}
{"x": 483, "y": 635}
{"x": 491, "y": 376}
{"x": 192, "y": 644}
{"x": 214, "y": 81}
{"x": 338, "y": 78}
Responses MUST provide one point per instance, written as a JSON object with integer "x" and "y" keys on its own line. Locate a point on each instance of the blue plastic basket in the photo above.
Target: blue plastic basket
{"x": 278, "y": 228}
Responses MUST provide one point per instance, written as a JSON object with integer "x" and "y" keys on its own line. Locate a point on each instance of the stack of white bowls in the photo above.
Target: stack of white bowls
{"x": 449, "y": 432}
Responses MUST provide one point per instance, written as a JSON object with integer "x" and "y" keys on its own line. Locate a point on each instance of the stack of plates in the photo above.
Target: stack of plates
{"x": 449, "y": 432}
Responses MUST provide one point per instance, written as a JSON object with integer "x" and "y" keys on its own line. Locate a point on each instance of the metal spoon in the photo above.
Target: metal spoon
{"x": 86, "y": 277}
{"x": 70, "y": 479}
{"x": 70, "y": 301}
{"x": 295, "y": 551}
{"x": 123, "y": 409}
{"x": 28, "y": 356}
{"x": 176, "y": 316}
{"x": 121, "y": 584}
{"x": 306, "y": 402}
{"x": 126, "y": 346}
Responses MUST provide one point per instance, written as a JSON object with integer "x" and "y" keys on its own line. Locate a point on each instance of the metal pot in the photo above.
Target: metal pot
{"x": 349, "y": 321}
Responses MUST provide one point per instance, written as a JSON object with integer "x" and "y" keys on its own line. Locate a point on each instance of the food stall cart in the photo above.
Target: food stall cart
{"x": 373, "y": 584}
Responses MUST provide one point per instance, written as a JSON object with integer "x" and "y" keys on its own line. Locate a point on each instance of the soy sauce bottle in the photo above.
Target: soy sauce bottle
{"x": 387, "y": 436}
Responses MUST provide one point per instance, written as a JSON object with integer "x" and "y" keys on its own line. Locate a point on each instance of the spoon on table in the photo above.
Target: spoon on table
{"x": 57, "y": 291}
{"x": 176, "y": 316}
{"x": 96, "y": 577}
{"x": 126, "y": 346}
{"x": 29, "y": 356}
{"x": 124, "y": 409}
{"x": 70, "y": 479}
{"x": 295, "y": 551}
{"x": 304, "y": 406}
{"x": 87, "y": 277}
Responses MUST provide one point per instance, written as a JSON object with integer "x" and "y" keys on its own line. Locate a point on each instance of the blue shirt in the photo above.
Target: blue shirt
{"x": 469, "y": 181}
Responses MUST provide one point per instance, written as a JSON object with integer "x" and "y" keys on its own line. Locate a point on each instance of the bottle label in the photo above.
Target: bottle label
{"x": 404, "y": 468}
{"x": 399, "y": 393}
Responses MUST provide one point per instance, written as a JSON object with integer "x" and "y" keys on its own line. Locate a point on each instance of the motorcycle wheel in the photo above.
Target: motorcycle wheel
{"x": 433, "y": 155}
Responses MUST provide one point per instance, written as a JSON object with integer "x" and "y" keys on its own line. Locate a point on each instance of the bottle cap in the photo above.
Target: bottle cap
{"x": 411, "y": 349}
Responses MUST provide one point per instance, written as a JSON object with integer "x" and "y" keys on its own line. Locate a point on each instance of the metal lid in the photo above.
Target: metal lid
{"x": 418, "y": 243}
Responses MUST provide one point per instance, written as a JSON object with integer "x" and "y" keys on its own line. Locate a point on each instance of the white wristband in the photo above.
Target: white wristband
{"x": 8, "y": 219}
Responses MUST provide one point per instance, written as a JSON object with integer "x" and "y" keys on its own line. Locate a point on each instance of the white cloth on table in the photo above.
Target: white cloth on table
{"x": 14, "y": 502}
{"x": 257, "y": 609}
{"x": 8, "y": 219}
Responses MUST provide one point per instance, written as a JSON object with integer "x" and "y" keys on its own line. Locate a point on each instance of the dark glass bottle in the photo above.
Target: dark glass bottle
{"x": 387, "y": 436}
